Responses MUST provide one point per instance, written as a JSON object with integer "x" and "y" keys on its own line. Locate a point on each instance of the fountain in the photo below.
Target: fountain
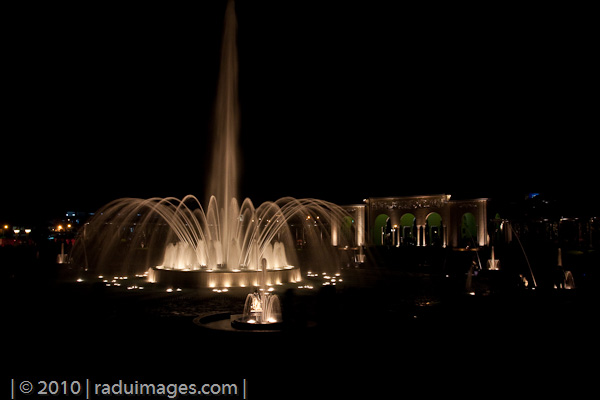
{"x": 524, "y": 280}
{"x": 261, "y": 309}
{"x": 569, "y": 280}
{"x": 564, "y": 278}
{"x": 62, "y": 258}
{"x": 177, "y": 243}
{"x": 493, "y": 264}
{"x": 180, "y": 243}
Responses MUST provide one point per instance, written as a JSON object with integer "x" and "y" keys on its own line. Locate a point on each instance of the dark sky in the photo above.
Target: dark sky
{"x": 338, "y": 102}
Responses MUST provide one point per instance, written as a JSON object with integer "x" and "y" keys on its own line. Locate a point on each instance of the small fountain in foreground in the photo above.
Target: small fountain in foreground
{"x": 261, "y": 309}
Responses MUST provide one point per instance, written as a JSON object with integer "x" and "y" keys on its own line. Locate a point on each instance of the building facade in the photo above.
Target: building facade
{"x": 432, "y": 220}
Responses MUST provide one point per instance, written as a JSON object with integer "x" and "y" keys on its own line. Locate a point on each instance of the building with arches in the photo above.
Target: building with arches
{"x": 432, "y": 220}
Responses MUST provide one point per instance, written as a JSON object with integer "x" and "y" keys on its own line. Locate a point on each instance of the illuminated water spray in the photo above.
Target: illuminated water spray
{"x": 225, "y": 243}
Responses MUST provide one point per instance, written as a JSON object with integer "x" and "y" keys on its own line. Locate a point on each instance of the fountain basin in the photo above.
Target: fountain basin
{"x": 222, "y": 278}
{"x": 224, "y": 322}
{"x": 244, "y": 322}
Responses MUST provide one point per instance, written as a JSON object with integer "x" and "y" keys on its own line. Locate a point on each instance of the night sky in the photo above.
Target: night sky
{"x": 339, "y": 102}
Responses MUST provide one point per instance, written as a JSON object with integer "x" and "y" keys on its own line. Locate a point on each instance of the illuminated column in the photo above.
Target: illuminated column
{"x": 445, "y": 233}
{"x": 482, "y": 235}
{"x": 360, "y": 226}
{"x": 505, "y": 226}
{"x": 335, "y": 227}
{"x": 420, "y": 229}
{"x": 396, "y": 231}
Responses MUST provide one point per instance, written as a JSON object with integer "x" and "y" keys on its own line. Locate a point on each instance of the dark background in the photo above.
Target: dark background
{"x": 339, "y": 101}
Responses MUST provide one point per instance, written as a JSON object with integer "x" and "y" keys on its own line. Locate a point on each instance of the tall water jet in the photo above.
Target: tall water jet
{"x": 223, "y": 173}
